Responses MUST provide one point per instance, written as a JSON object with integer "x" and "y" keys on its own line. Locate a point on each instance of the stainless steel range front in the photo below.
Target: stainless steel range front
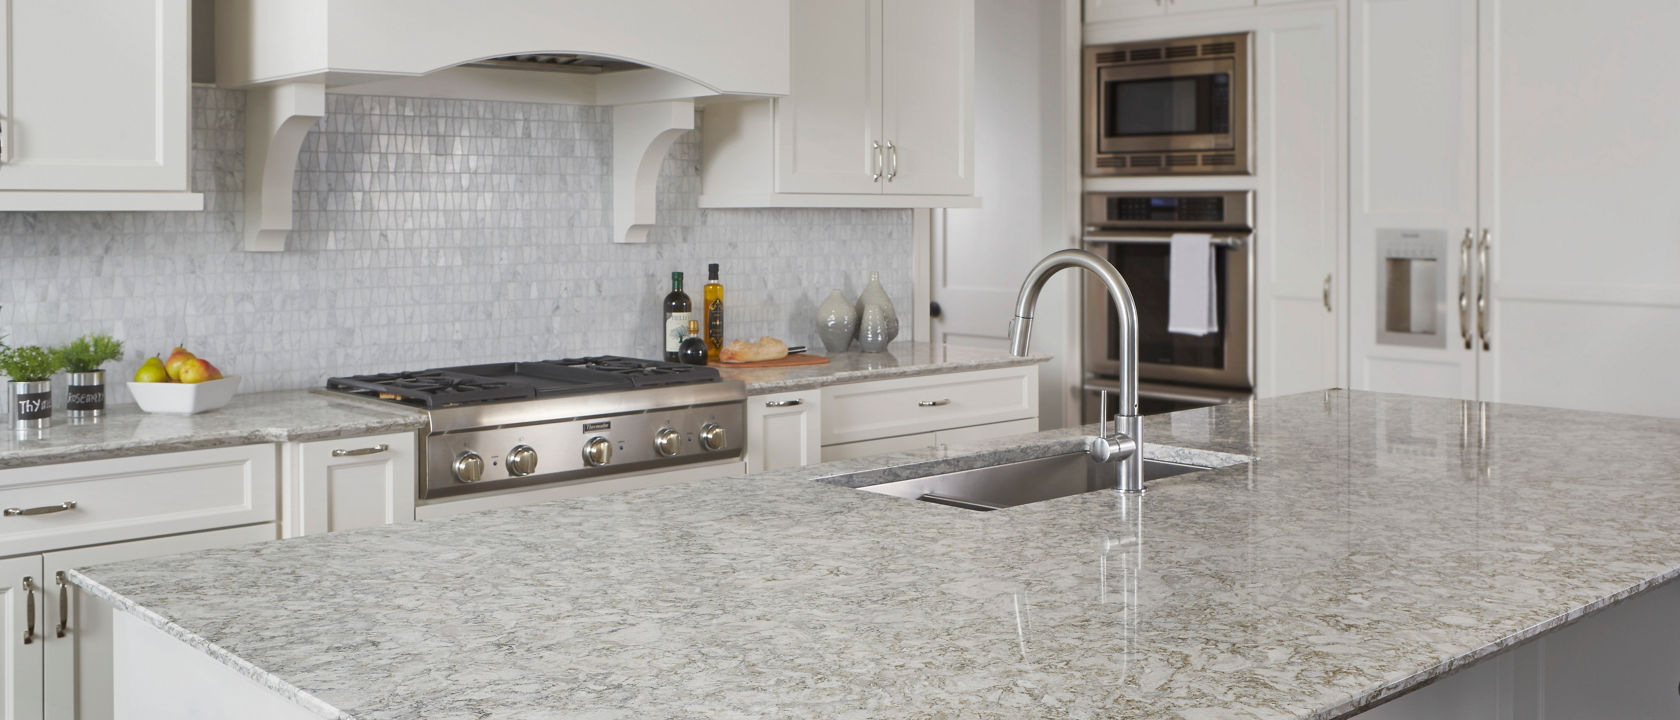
{"x": 514, "y": 425}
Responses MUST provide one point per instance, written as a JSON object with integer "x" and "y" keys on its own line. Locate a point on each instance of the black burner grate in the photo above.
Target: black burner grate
{"x": 501, "y": 382}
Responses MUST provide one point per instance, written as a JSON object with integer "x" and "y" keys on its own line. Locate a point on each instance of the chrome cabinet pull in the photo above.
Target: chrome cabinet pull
{"x": 892, "y": 171}
{"x": 43, "y": 510}
{"x": 1326, "y": 294}
{"x": 29, "y": 608}
{"x": 1464, "y": 288}
{"x": 934, "y": 403}
{"x": 375, "y": 450}
{"x": 1482, "y": 288}
{"x": 63, "y": 603}
{"x": 876, "y": 176}
{"x": 783, "y": 403}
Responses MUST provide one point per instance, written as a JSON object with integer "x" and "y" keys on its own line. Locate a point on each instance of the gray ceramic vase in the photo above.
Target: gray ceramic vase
{"x": 877, "y": 318}
{"x": 836, "y": 322}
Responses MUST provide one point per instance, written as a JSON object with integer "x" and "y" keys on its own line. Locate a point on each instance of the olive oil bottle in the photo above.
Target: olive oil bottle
{"x": 713, "y": 307}
{"x": 678, "y": 311}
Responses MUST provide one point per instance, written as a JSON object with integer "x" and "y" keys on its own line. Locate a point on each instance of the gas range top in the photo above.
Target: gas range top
{"x": 504, "y": 382}
{"x": 502, "y": 426}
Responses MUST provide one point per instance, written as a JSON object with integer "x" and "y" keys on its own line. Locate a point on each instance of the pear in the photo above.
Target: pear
{"x": 177, "y": 358}
{"x": 151, "y": 371}
{"x": 195, "y": 371}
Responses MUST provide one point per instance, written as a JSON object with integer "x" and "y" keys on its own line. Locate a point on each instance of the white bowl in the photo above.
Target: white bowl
{"x": 182, "y": 398}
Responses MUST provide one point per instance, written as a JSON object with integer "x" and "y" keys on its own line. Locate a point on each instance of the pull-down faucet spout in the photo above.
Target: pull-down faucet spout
{"x": 1125, "y": 446}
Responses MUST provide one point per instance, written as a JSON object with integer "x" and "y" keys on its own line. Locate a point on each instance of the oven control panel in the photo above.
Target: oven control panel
{"x": 1105, "y": 211}
{"x": 581, "y": 448}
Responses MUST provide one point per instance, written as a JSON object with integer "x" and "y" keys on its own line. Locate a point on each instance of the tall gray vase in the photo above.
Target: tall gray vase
{"x": 877, "y": 318}
{"x": 836, "y": 322}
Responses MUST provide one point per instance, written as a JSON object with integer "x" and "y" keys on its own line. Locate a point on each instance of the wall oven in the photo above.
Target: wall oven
{"x": 1168, "y": 107}
{"x": 1134, "y": 232}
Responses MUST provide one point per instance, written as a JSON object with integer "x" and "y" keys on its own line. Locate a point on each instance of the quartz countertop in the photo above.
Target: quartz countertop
{"x": 903, "y": 359}
{"x": 1377, "y": 543}
{"x": 265, "y": 417}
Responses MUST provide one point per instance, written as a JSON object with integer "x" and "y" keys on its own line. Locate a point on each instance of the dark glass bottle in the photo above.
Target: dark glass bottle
{"x": 678, "y": 311}
{"x": 692, "y": 351}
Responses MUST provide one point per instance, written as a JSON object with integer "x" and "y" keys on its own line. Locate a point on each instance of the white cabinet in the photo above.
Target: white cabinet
{"x": 95, "y": 108}
{"x": 77, "y": 663}
{"x": 1102, "y": 10}
{"x": 871, "y": 418}
{"x": 120, "y": 499}
{"x": 350, "y": 483}
{"x": 880, "y": 113}
{"x": 20, "y": 644}
{"x": 105, "y": 510}
{"x": 784, "y": 430}
{"x": 1468, "y": 119}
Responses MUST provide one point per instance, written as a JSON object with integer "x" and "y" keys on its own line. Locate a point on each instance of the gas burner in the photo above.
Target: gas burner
{"x": 511, "y": 425}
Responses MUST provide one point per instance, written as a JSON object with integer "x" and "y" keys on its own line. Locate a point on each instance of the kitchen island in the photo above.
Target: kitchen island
{"x": 1375, "y": 544}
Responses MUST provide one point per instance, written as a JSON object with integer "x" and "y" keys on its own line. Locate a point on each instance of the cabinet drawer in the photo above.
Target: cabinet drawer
{"x": 137, "y": 497}
{"x": 886, "y": 408}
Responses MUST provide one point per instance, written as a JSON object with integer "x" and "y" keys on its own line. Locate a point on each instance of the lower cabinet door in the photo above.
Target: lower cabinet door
{"x": 783, "y": 430}
{"x": 20, "y": 639}
{"x": 75, "y": 628}
{"x": 350, "y": 483}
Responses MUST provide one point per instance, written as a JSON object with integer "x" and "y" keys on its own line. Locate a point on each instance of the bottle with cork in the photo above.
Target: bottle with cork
{"x": 712, "y": 307}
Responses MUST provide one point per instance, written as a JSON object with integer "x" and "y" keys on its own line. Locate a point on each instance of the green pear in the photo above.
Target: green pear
{"x": 151, "y": 371}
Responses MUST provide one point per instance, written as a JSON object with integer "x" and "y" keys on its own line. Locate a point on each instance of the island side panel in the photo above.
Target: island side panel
{"x": 158, "y": 676}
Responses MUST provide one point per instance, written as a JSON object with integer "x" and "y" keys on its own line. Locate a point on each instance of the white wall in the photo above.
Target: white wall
{"x": 1021, "y": 114}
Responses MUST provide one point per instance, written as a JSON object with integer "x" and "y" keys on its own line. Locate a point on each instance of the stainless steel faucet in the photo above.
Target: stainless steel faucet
{"x": 1125, "y": 446}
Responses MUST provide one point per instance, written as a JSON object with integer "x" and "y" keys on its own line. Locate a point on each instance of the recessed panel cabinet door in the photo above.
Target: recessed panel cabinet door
{"x": 1578, "y": 160}
{"x": 783, "y": 430}
{"x": 1413, "y": 167}
{"x": 928, "y": 97}
{"x": 828, "y": 126}
{"x": 94, "y": 95}
{"x": 350, "y": 483}
{"x": 20, "y": 643}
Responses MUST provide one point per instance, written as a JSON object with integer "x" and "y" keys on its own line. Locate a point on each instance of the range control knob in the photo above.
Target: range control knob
{"x": 667, "y": 441}
{"x": 521, "y": 460}
{"x": 597, "y": 452}
{"x": 712, "y": 437}
{"x": 469, "y": 467}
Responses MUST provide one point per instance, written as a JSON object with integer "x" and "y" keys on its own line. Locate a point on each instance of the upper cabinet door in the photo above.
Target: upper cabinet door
{"x": 94, "y": 95}
{"x": 928, "y": 97}
{"x": 828, "y": 125}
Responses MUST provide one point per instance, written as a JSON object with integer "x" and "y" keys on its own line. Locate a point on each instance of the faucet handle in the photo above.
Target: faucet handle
{"x": 1102, "y": 414}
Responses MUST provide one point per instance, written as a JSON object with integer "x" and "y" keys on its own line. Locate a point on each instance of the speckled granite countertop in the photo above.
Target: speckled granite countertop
{"x": 250, "y": 418}
{"x": 904, "y": 359}
{"x": 1377, "y": 543}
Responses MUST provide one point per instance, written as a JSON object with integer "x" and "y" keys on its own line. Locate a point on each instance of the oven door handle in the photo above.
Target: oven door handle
{"x": 1234, "y": 242}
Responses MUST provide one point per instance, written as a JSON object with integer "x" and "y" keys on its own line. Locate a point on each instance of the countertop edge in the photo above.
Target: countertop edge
{"x": 245, "y": 668}
{"x": 848, "y": 377}
{"x": 1452, "y": 665}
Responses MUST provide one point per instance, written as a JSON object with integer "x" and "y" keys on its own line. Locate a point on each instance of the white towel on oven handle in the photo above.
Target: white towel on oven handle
{"x": 1190, "y": 294}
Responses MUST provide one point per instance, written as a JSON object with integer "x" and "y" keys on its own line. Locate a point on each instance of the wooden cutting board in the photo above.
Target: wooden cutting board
{"x": 796, "y": 360}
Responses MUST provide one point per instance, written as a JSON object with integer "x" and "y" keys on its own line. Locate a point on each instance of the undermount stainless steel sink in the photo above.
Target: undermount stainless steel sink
{"x": 1020, "y": 483}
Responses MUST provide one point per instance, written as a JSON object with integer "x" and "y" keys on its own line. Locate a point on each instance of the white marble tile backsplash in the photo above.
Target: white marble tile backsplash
{"x": 428, "y": 232}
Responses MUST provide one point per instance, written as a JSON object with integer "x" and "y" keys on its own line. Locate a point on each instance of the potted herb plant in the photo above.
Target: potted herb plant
{"x": 81, "y": 359}
{"x": 29, "y": 392}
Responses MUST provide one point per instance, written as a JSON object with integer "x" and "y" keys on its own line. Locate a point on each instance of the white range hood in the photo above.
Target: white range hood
{"x": 648, "y": 58}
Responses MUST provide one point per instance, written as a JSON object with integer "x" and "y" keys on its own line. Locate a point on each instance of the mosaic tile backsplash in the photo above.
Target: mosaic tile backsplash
{"x": 428, "y": 232}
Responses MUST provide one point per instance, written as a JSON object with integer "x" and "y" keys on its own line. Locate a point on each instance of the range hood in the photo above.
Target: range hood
{"x": 649, "y": 59}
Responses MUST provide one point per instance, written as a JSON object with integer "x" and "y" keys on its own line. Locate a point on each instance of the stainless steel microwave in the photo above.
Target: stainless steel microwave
{"x": 1168, "y": 107}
